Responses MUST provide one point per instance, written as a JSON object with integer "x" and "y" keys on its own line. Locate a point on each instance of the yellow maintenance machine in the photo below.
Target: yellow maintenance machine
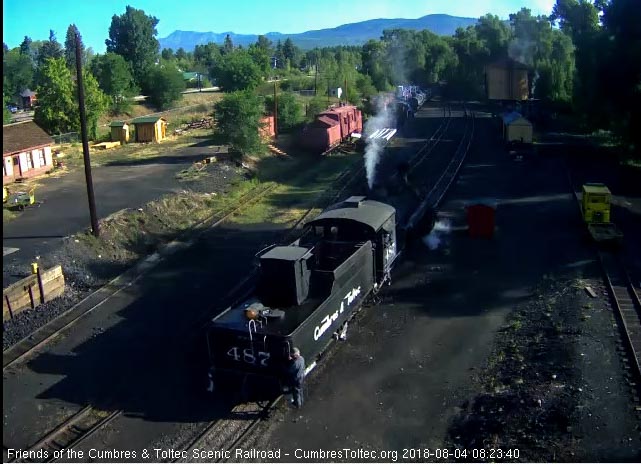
{"x": 22, "y": 200}
{"x": 595, "y": 206}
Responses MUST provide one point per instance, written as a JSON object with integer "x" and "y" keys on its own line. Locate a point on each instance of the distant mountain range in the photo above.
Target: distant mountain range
{"x": 347, "y": 34}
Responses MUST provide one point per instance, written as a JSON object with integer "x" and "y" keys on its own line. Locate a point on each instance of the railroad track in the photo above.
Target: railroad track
{"x": 627, "y": 311}
{"x": 70, "y": 433}
{"x": 438, "y": 190}
{"x": 433, "y": 141}
{"x": 89, "y": 420}
{"x": 81, "y": 425}
{"x": 221, "y": 427}
{"x": 228, "y": 433}
{"x": 624, "y": 298}
{"x": 53, "y": 328}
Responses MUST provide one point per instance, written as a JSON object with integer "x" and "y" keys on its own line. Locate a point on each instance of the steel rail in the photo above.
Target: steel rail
{"x": 227, "y": 424}
{"x": 49, "y": 331}
{"x": 442, "y": 185}
{"x": 222, "y": 426}
{"x": 627, "y": 309}
{"x": 73, "y": 431}
{"x": 433, "y": 141}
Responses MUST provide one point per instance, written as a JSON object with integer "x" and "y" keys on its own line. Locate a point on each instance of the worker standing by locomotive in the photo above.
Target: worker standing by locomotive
{"x": 296, "y": 377}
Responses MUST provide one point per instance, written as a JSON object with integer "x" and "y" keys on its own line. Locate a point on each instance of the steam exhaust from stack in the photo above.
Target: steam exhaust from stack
{"x": 384, "y": 119}
{"x": 435, "y": 238}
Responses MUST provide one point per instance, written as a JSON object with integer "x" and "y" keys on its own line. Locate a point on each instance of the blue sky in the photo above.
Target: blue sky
{"x": 93, "y": 17}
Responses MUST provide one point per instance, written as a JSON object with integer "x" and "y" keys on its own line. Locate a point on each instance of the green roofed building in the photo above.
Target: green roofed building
{"x": 119, "y": 131}
{"x": 150, "y": 128}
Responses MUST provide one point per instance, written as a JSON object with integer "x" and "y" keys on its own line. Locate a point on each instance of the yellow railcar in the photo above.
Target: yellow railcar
{"x": 595, "y": 206}
{"x": 596, "y": 203}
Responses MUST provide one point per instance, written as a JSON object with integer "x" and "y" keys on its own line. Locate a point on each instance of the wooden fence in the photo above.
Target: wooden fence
{"x": 32, "y": 291}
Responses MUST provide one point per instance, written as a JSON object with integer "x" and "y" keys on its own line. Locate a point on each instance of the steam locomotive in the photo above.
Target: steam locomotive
{"x": 306, "y": 294}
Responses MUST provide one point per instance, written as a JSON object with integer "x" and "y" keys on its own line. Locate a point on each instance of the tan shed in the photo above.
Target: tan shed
{"x": 516, "y": 128}
{"x": 506, "y": 80}
{"x": 119, "y": 131}
{"x": 150, "y": 129}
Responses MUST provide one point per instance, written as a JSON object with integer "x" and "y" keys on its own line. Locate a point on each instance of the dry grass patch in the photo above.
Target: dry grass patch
{"x": 132, "y": 233}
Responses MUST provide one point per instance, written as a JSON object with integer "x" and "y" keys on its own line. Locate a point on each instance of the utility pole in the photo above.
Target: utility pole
{"x": 328, "y": 91}
{"x": 346, "y": 91}
{"x": 275, "y": 112}
{"x": 316, "y": 79}
{"x": 85, "y": 141}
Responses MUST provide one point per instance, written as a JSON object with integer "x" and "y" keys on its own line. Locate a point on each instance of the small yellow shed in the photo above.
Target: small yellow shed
{"x": 119, "y": 131}
{"x": 516, "y": 128}
{"x": 150, "y": 128}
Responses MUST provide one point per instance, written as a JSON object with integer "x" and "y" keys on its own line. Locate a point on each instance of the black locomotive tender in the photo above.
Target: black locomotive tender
{"x": 306, "y": 293}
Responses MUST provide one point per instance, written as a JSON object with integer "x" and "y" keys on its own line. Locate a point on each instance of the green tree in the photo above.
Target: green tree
{"x": 280, "y": 56}
{"x": 25, "y": 46}
{"x": 56, "y": 111}
{"x": 228, "y": 45}
{"x": 365, "y": 86}
{"x": 17, "y": 73}
{"x": 50, "y": 49}
{"x": 261, "y": 58}
{"x": 114, "y": 78}
{"x": 291, "y": 52}
{"x": 6, "y": 114}
{"x": 290, "y": 111}
{"x": 622, "y": 22}
{"x": 238, "y": 117}
{"x": 96, "y": 103}
{"x": 495, "y": 34}
{"x": 373, "y": 58}
{"x": 70, "y": 47}
{"x": 237, "y": 71}
{"x": 165, "y": 85}
{"x": 264, "y": 44}
{"x": 133, "y": 36}
{"x": 167, "y": 54}
{"x": 206, "y": 58}
{"x": 316, "y": 105}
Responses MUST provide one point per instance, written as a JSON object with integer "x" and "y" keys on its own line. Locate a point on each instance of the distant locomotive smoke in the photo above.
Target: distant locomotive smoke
{"x": 374, "y": 147}
{"x": 534, "y": 81}
{"x": 434, "y": 239}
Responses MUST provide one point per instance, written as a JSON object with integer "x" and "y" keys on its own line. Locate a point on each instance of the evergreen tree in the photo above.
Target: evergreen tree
{"x": 70, "y": 47}
{"x": 133, "y": 36}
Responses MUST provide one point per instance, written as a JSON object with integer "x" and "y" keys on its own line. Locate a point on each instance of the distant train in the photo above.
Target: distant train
{"x": 332, "y": 127}
{"x": 306, "y": 294}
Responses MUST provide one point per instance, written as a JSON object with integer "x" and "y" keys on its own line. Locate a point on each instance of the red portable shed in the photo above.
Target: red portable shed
{"x": 481, "y": 218}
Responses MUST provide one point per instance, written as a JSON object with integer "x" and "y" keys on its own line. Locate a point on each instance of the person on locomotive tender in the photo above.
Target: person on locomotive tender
{"x": 296, "y": 377}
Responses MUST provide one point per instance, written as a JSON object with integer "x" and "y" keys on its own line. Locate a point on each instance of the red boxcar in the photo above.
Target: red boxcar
{"x": 331, "y": 127}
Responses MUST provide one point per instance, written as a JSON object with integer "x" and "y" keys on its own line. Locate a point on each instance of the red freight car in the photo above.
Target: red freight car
{"x": 331, "y": 127}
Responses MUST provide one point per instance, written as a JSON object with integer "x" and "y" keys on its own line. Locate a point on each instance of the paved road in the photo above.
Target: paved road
{"x": 65, "y": 209}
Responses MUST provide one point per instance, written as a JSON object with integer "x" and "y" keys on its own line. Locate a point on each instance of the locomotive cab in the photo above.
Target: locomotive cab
{"x": 307, "y": 291}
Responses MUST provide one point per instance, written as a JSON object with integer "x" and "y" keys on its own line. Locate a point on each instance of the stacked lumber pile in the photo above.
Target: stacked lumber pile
{"x": 204, "y": 123}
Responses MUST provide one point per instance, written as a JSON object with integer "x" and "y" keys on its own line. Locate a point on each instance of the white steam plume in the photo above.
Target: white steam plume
{"x": 434, "y": 239}
{"x": 384, "y": 118}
